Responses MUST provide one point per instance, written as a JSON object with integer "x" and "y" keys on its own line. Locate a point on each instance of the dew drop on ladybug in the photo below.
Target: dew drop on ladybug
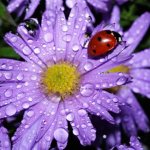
{"x": 103, "y": 42}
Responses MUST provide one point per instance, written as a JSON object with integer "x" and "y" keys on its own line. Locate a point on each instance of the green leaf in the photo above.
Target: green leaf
{"x": 8, "y": 52}
{"x": 5, "y": 16}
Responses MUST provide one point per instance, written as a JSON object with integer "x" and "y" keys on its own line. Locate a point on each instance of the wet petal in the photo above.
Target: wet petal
{"x": 140, "y": 59}
{"x": 32, "y": 6}
{"x": 4, "y": 139}
{"x": 136, "y": 32}
{"x": 133, "y": 116}
{"x": 105, "y": 80}
{"x": 80, "y": 122}
{"x": 22, "y": 49}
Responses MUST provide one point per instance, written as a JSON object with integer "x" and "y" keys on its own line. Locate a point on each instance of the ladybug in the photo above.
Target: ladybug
{"x": 103, "y": 42}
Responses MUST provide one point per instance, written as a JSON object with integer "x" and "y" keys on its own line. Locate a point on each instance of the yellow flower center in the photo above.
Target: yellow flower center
{"x": 121, "y": 68}
{"x": 61, "y": 79}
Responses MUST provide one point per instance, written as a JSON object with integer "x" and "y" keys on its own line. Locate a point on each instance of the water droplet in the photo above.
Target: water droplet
{"x": 8, "y": 75}
{"x": 14, "y": 39}
{"x": 67, "y": 37}
{"x": 20, "y": 76}
{"x": 85, "y": 105}
{"x": 37, "y": 50}
{"x": 32, "y": 26}
{"x": 6, "y": 144}
{"x": 11, "y": 110}
{"x": 64, "y": 28}
{"x": 48, "y": 37}
{"x": 88, "y": 66}
{"x": 87, "y": 89}
{"x": 70, "y": 117}
{"x": 75, "y": 48}
{"x": 83, "y": 126}
{"x": 75, "y": 132}
{"x": 121, "y": 81}
{"x": 61, "y": 135}
{"x": 55, "y": 98}
{"x": 20, "y": 95}
{"x": 33, "y": 77}
{"x": 82, "y": 112}
{"x": 8, "y": 93}
{"x": 25, "y": 105}
{"x": 26, "y": 50}
{"x": 30, "y": 113}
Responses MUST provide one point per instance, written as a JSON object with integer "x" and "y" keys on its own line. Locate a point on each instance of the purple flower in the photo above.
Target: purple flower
{"x": 134, "y": 145}
{"x": 132, "y": 115}
{"x": 100, "y": 5}
{"x": 4, "y": 139}
{"x": 57, "y": 82}
{"x": 19, "y": 6}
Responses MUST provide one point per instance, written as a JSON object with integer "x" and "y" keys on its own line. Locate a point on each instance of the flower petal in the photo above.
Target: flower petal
{"x": 32, "y": 6}
{"x": 133, "y": 116}
{"x": 105, "y": 80}
{"x": 140, "y": 59}
{"x": 4, "y": 139}
{"x": 80, "y": 122}
{"x": 136, "y": 32}
{"x": 22, "y": 49}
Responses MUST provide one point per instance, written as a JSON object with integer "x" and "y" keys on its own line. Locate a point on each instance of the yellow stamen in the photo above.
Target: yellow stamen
{"x": 62, "y": 79}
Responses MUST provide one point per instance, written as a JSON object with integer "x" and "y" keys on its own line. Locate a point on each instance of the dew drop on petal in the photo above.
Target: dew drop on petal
{"x": 37, "y": 50}
{"x": 26, "y": 50}
{"x": 8, "y": 75}
{"x": 88, "y": 66}
{"x": 25, "y": 105}
{"x": 48, "y": 37}
{"x": 121, "y": 81}
{"x": 8, "y": 93}
{"x": 75, "y": 48}
{"x": 11, "y": 110}
{"x": 75, "y": 132}
{"x": 20, "y": 76}
{"x": 70, "y": 117}
{"x": 64, "y": 28}
{"x": 67, "y": 37}
{"x": 30, "y": 113}
{"x": 82, "y": 112}
{"x": 87, "y": 89}
{"x": 61, "y": 135}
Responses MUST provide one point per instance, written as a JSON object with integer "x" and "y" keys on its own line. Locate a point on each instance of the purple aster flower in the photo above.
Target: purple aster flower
{"x": 134, "y": 145}
{"x": 4, "y": 139}
{"x": 19, "y": 6}
{"x": 100, "y": 5}
{"x": 57, "y": 82}
{"x": 132, "y": 116}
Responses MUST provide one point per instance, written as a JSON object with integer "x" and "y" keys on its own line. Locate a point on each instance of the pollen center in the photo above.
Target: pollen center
{"x": 61, "y": 79}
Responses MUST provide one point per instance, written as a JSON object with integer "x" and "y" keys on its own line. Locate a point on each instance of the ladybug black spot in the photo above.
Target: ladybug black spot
{"x": 99, "y": 39}
{"x": 94, "y": 51}
{"x": 108, "y": 45}
{"x": 108, "y": 32}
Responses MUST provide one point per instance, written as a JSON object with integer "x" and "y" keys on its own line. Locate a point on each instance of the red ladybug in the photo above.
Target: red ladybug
{"x": 103, "y": 42}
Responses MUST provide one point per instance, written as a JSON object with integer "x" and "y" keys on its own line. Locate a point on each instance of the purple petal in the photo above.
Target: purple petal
{"x": 133, "y": 113}
{"x": 80, "y": 122}
{"x": 53, "y": 4}
{"x": 105, "y": 80}
{"x": 4, "y": 139}
{"x": 98, "y": 102}
{"x": 120, "y": 2}
{"x": 14, "y": 65}
{"x": 140, "y": 59}
{"x": 78, "y": 22}
{"x": 22, "y": 49}
{"x": 100, "y": 5}
{"x": 32, "y": 6}
{"x": 13, "y": 5}
{"x": 36, "y": 124}
{"x": 136, "y": 32}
